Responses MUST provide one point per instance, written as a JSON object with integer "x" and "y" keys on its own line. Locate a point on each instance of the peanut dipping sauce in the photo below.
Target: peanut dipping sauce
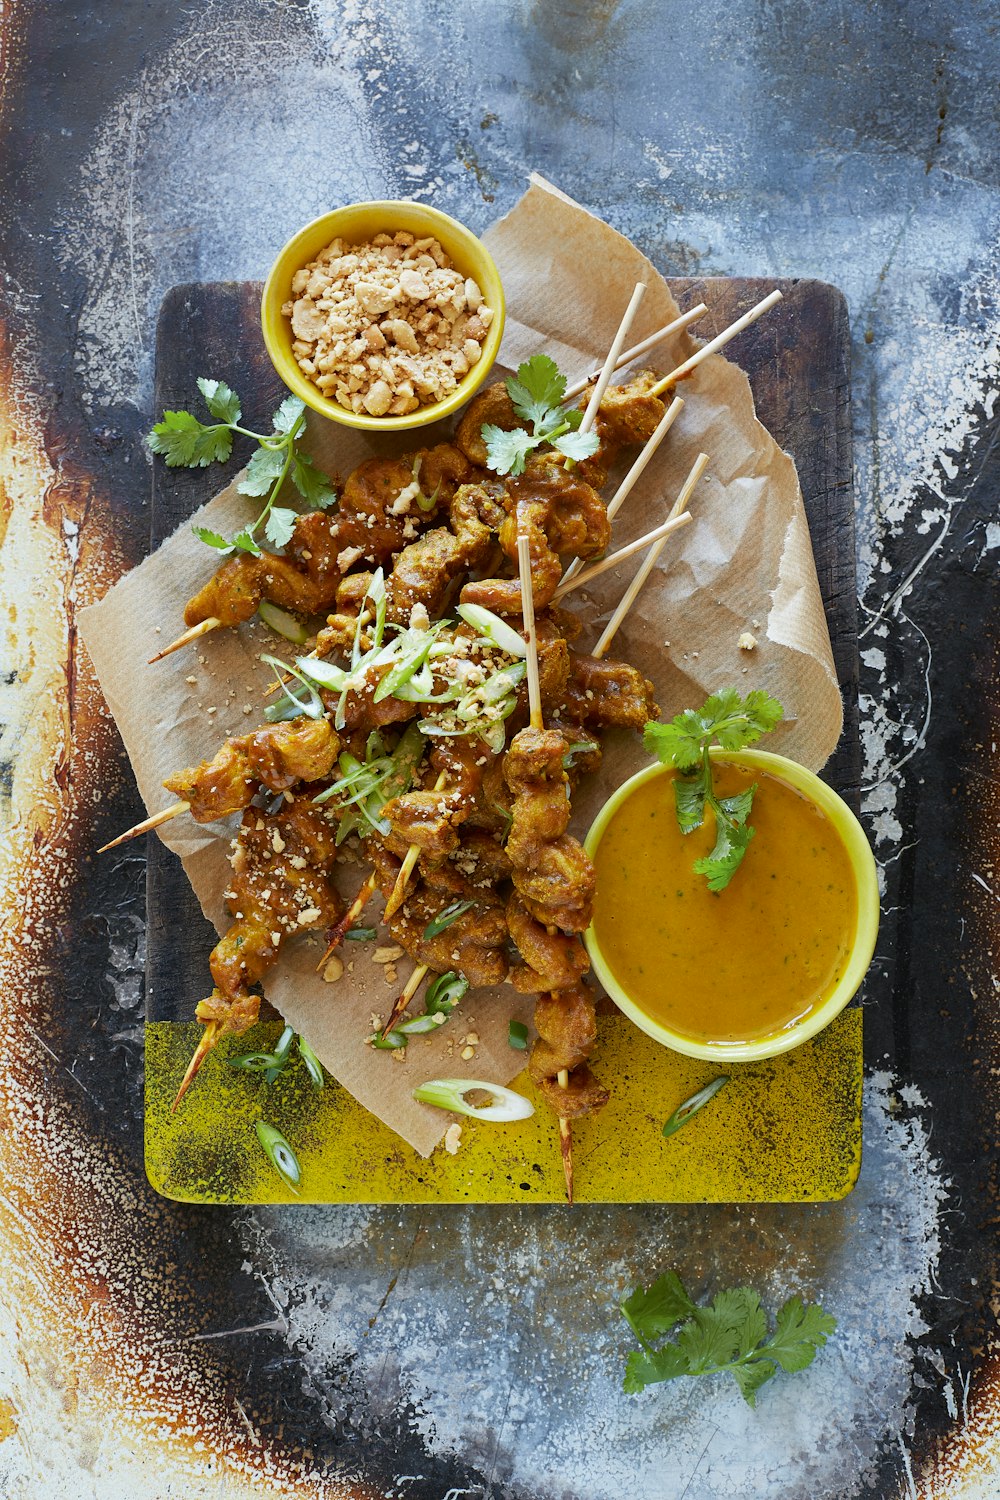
{"x": 744, "y": 963}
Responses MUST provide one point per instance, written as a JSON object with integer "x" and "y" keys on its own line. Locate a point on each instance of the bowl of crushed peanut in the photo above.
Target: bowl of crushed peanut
{"x": 383, "y": 315}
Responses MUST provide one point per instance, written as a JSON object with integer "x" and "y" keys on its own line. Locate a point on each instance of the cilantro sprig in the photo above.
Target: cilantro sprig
{"x": 536, "y": 392}
{"x": 185, "y": 442}
{"x": 732, "y": 722}
{"x": 730, "y": 1335}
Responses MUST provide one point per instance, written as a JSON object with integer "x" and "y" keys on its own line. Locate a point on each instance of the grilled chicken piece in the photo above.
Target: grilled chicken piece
{"x": 474, "y": 944}
{"x": 426, "y": 819}
{"x": 561, "y": 516}
{"x": 552, "y": 961}
{"x": 276, "y": 757}
{"x": 567, "y": 1029}
{"x": 280, "y": 886}
{"x": 425, "y": 570}
{"x": 608, "y": 693}
{"x": 552, "y": 871}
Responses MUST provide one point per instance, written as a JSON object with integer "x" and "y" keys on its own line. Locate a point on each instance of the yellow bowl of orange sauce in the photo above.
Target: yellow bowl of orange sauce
{"x": 761, "y": 966}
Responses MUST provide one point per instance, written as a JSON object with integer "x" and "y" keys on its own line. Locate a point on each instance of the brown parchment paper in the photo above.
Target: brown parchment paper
{"x": 744, "y": 563}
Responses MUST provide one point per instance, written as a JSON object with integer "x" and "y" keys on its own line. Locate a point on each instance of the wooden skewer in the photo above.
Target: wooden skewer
{"x": 209, "y": 1037}
{"x": 638, "y": 350}
{"x": 189, "y": 635}
{"x": 406, "y": 869}
{"x": 614, "y": 353}
{"x": 629, "y": 596}
{"x": 535, "y": 702}
{"x": 658, "y": 533}
{"x": 412, "y": 985}
{"x": 354, "y": 911}
{"x": 621, "y": 494}
{"x": 717, "y": 343}
{"x": 148, "y": 823}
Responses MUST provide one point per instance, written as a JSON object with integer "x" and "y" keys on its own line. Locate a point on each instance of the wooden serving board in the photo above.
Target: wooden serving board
{"x": 785, "y": 1130}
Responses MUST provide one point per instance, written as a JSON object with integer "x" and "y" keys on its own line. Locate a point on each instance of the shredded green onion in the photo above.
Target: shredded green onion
{"x": 279, "y": 1153}
{"x": 691, "y": 1106}
{"x": 445, "y": 918}
{"x": 449, "y": 1093}
{"x": 313, "y": 1065}
{"x": 360, "y": 934}
{"x": 517, "y": 1036}
{"x": 284, "y": 623}
{"x": 496, "y": 629}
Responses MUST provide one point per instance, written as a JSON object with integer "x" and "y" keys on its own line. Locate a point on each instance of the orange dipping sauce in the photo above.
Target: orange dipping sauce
{"x": 749, "y": 961}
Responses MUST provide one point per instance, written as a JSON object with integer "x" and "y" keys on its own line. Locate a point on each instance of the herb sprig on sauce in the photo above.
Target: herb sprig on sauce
{"x": 536, "y": 394}
{"x": 733, "y": 723}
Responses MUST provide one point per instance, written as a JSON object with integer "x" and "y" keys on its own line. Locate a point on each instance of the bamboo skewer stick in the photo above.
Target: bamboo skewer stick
{"x": 173, "y": 811}
{"x": 717, "y": 343}
{"x": 638, "y": 350}
{"x": 659, "y": 533}
{"x": 209, "y": 1037}
{"x": 189, "y": 635}
{"x": 621, "y": 494}
{"x": 630, "y": 594}
{"x": 406, "y": 869}
{"x": 354, "y": 911}
{"x": 413, "y": 984}
{"x": 613, "y": 355}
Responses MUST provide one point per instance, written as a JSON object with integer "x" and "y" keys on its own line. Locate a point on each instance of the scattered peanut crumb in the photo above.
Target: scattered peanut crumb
{"x": 399, "y": 1053}
{"x": 468, "y": 1052}
{"x": 473, "y": 1038}
{"x": 333, "y": 970}
{"x": 747, "y": 642}
{"x": 389, "y": 974}
{"x": 387, "y": 955}
{"x": 453, "y": 1138}
{"x": 191, "y": 680}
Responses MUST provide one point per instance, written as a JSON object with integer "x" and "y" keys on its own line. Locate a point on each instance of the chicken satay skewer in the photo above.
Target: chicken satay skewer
{"x": 621, "y": 494}
{"x": 719, "y": 342}
{"x": 630, "y": 594}
{"x": 537, "y": 722}
{"x": 350, "y": 916}
{"x": 398, "y": 895}
{"x": 189, "y": 635}
{"x": 638, "y": 350}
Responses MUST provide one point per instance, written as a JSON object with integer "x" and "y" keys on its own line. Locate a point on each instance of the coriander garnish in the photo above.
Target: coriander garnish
{"x": 729, "y": 1335}
{"x": 187, "y": 443}
{"x": 536, "y": 393}
{"x": 733, "y": 723}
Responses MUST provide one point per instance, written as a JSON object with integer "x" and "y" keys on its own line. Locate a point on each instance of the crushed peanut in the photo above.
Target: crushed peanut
{"x": 333, "y": 969}
{"x": 468, "y": 1052}
{"x": 387, "y": 955}
{"x": 453, "y": 1138}
{"x": 386, "y": 327}
{"x": 747, "y": 642}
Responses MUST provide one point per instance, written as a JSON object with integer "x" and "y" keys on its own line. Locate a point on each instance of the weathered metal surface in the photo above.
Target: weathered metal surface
{"x": 151, "y": 1349}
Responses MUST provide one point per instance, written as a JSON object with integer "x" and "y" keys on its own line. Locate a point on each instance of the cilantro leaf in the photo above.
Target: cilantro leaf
{"x": 733, "y": 723}
{"x": 262, "y": 471}
{"x": 657, "y": 1311}
{"x": 751, "y": 1377}
{"x": 220, "y": 399}
{"x": 644, "y": 1367}
{"x": 506, "y": 451}
{"x": 577, "y": 445}
{"x": 729, "y": 1335}
{"x": 186, "y": 443}
{"x": 536, "y": 389}
{"x": 799, "y": 1331}
{"x": 689, "y": 798}
{"x": 280, "y": 525}
{"x": 288, "y": 414}
{"x": 731, "y": 843}
{"x": 311, "y": 483}
{"x": 212, "y": 539}
{"x": 244, "y": 541}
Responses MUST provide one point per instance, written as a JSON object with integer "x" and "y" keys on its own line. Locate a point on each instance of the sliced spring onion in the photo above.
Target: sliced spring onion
{"x": 445, "y": 918}
{"x": 582, "y": 747}
{"x": 325, "y": 674}
{"x": 496, "y": 630}
{"x": 517, "y": 1036}
{"x": 691, "y": 1106}
{"x": 313, "y": 1065}
{"x": 360, "y": 934}
{"x": 289, "y": 705}
{"x": 279, "y": 1153}
{"x": 255, "y": 1062}
{"x": 284, "y": 623}
{"x": 389, "y": 1041}
{"x": 449, "y": 1093}
{"x": 428, "y": 502}
{"x": 446, "y": 991}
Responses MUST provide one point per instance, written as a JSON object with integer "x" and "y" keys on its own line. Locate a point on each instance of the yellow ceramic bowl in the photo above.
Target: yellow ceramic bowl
{"x": 355, "y": 224}
{"x": 862, "y": 863}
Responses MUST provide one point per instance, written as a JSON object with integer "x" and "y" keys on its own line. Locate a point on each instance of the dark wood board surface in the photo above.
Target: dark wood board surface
{"x": 797, "y": 359}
